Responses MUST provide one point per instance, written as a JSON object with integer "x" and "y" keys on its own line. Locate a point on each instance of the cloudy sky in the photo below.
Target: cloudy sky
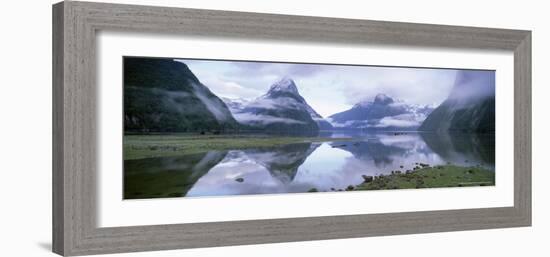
{"x": 328, "y": 89}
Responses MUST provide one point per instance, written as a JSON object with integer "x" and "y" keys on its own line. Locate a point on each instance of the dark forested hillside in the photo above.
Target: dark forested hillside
{"x": 470, "y": 106}
{"x": 163, "y": 95}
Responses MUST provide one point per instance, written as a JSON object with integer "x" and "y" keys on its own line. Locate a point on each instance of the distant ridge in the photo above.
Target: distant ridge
{"x": 383, "y": 113}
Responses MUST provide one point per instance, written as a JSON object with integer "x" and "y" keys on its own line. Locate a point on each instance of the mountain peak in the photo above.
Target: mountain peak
{"x": 285, "y": 84}
{"x": 383, "y": 99}
{"x": 382, "y": 113}
{"x": 379, "y": 99}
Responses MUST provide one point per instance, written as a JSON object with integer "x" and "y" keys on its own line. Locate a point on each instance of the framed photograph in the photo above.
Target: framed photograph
{"x": 183, "y": 128}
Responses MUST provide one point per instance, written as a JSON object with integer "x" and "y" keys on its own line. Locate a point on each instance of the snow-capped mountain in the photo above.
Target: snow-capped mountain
{"x": 235, "y": 104}
{"x": 383, "y": 113}
{"x": 282, "y": 108}
{"x": 282, "y": 162}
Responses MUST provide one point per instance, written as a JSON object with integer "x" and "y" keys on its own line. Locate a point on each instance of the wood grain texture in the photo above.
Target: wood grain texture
{"x": 75, "y": 25}
{"x": 57, "y": 133}
{"x": 522, "y": 128}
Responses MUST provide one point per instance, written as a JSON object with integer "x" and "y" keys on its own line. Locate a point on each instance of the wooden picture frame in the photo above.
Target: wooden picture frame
{"x": 75, "y": 25}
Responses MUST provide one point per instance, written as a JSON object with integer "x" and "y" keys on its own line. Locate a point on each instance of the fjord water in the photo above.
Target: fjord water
{"x": 301, "y": 167}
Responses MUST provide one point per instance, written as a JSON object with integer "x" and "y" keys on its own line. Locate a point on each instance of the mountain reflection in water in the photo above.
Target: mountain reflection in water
{"x": 300, "y": 167}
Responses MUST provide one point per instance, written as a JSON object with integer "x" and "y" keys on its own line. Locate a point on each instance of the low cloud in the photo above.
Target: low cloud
{"x": 278, "y": 103}
{"x": 473, "y": 85}
{"x": 329, "y": 89}
{"x": 249, "y": 118}
{"x": 214, "y": 105}
{"x": 396, "y": 121}
{"x": 349, "y": 123}
{"x": 228, "y": 88}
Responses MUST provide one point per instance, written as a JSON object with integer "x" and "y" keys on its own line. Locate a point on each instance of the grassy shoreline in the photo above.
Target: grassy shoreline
{"x": 431, "y": 177}
{"x": 424, "y": 176}
{"x": 147, "y": 146}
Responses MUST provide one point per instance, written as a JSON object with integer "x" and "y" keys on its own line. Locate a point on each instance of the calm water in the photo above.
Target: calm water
{"x": 301, "y": 167}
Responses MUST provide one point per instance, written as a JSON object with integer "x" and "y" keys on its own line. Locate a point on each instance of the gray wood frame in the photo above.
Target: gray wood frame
{"x": 75, "y": 25}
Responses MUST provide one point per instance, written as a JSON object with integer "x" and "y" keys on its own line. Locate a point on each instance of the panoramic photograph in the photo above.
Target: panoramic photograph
{"x": 197, "y": 128}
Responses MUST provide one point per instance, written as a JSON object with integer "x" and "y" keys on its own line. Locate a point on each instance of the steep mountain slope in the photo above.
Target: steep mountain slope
{"x": 384, "y": 113}
{"x": 282, "y": 162}
{"x": 470, "y": 106}
{"x": 235, "y": 105}
{"x": 281, "y": 109}
{"x": 163, "y": 95}
{"x": 321, "y": 122}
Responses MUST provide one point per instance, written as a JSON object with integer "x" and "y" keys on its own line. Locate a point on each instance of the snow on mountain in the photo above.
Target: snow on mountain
{"x": 281, "y": 108}
{"x": 284, "y": 85}
{"x": 235, "y": 104}
{"x": 383, "y": 113}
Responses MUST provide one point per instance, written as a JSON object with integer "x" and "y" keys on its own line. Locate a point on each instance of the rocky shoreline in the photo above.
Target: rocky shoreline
{"x": 425, "y": 176}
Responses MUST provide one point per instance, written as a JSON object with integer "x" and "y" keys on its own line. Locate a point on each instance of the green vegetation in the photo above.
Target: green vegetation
{"x": 150, "y": 178}
{"x": 146, "y": 146}
{"x": 162, "y": 95}
{"x": 430, "y": 177}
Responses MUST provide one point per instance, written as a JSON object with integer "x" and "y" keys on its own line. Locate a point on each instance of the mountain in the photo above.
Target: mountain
{"x": 281, "y": 109}
{"x": 383, "y": 113}
{"x": 235, "y": 105}
{"x": 470, "y": 107}
{"x": 322, "y": 123}
{"x": 282, "y": 162}
{"x": 163, "y": 95}
{"x": 473, "y": 148}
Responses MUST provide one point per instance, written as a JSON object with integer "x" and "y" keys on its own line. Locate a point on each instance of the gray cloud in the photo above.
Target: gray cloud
{"x": 327, "y": 88}
{"x": 294, "y": 70}
{"x": 249, "y": 118}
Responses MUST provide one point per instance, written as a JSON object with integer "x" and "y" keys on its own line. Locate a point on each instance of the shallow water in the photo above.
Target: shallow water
{"x": 301, "y": 167}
